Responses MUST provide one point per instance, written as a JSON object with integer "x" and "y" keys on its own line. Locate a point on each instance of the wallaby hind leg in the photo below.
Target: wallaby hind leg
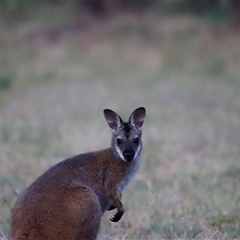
{"x": 62, "y": 216}
{"x": 87, "y": 219}
{"x": 90, "y": 218}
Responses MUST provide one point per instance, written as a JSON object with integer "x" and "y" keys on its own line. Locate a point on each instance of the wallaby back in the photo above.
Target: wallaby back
{"x": 68, "y": 200}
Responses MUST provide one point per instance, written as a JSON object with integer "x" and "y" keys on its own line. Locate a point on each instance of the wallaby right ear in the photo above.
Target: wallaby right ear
{"x": 137, "y": 117}
{"x": 112, "y": 118}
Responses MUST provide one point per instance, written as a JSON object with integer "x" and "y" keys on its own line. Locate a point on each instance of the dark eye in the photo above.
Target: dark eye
{"x": 136, "y": 140}
{"x": 119, "y": 141}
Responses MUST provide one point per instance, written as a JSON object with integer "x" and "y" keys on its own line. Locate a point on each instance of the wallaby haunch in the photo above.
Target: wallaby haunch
{"x": 68, "y": 201}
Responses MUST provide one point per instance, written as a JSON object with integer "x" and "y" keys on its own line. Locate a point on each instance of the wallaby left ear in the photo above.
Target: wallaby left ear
{"x": 136, "y": 119}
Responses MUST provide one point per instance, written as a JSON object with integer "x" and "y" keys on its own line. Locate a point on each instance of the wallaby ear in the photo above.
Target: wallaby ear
{"x": 137, "y": 117}
{"x": 112, "y": 118}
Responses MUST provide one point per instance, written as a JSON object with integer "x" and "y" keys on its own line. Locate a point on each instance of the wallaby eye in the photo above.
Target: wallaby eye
{"x": 119, "y": 141}
{"x": 136, "y": 140}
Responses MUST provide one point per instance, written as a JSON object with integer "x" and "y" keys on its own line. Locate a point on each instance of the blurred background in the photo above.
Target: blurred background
{"x": 63, "y": 62}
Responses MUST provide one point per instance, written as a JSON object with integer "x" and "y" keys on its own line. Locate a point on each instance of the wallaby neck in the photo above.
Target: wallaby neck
{"x": 127, "y": 169}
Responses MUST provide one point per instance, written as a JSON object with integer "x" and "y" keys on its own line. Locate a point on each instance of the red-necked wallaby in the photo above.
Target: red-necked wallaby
{"x": 68, "y": 201}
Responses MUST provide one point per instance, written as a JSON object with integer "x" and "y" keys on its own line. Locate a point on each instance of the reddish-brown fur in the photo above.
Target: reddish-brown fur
{"x": 68, "y": 201}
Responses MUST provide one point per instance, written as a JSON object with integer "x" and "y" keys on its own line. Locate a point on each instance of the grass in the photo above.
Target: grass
{"x": 184, "y": 70}
{"x": 5, "y": 82}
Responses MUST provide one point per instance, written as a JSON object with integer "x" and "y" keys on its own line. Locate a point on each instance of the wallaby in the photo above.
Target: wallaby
{"x": 68, "y": 201}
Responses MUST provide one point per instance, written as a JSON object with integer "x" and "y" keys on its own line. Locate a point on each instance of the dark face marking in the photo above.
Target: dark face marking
{"x": 126, "y": 141}
{"x": 127, "y": 129}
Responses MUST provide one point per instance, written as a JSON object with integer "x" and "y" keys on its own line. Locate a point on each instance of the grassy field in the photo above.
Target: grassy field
{"x": 56, "y": 78}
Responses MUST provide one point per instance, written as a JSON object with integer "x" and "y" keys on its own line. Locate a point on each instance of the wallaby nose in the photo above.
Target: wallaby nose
{"x": 128, "y": 155}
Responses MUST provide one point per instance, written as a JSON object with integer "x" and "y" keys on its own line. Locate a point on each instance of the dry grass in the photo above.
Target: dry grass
{"x": 184, "y": 70}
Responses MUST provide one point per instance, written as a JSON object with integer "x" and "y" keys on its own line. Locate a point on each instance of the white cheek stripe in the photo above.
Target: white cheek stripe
{"x": 122, "y": 157}
{"x": 120, "y": 153}
{"x": 137, "y": 152}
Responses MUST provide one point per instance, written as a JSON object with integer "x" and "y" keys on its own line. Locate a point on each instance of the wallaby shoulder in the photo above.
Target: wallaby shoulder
{"x": 89, "y": 169}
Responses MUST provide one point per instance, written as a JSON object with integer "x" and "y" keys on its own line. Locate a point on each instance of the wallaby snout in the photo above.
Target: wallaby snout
{"x": 69, "y": 199}
{"x": 129, "y": 152}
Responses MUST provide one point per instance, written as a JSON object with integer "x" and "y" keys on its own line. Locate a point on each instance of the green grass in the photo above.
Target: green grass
{"x": 183, "y": 70}
{"x": 5, "y": 82}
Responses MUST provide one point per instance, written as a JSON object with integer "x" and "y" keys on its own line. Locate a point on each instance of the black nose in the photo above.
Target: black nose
{"x": 128, "y": 155}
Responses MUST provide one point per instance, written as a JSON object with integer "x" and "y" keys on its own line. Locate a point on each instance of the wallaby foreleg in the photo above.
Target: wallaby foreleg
{"x": 118, "y": 204}
{"x": 112, "y": 207}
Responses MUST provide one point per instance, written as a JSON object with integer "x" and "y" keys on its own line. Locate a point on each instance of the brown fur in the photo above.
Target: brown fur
{"x": 68, "y": 201}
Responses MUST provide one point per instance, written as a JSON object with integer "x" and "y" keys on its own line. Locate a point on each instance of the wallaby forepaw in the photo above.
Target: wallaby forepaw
{"x": 117, "y": 216}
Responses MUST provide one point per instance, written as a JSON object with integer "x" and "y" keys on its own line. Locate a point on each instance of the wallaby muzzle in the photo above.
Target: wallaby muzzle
{"x": 128, "y": 153}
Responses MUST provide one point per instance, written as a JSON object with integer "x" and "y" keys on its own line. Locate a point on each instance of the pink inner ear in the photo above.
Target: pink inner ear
{"x": 137, "y": 123}
{"x": 137, "y": 117}
{"x": 114, "y": 124}
{"x": 112, "y": 118}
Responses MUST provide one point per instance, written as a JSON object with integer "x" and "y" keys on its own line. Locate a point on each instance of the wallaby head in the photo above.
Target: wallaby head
{"x": 126, "y": 136}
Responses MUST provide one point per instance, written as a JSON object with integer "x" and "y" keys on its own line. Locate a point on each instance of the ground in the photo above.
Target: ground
{"x": 56, "y": 79}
